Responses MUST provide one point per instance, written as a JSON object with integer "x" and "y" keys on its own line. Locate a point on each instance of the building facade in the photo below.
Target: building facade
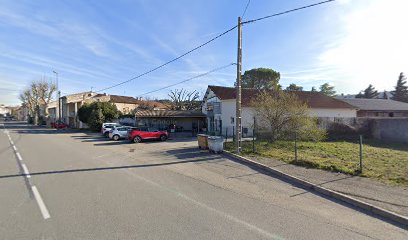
{"x": 378, "y": 108}
{"x": 219, "y": 105}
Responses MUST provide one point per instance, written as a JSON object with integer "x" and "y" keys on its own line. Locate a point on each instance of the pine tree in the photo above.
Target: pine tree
{"x": 369, "y": 92}
{"x": 401, "y": 90}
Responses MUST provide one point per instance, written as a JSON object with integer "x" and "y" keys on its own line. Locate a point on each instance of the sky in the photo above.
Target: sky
{"x": 95, "y": 44}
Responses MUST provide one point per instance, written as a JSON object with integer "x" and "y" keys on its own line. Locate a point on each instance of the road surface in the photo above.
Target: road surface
{"x": 64, "y": 185}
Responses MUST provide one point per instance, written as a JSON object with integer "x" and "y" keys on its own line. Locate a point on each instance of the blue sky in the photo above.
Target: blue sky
{"x": 348, "y": 43}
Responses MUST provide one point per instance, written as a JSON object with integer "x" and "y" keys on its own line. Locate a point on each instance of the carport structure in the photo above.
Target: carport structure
{"x": 172, "y": 120}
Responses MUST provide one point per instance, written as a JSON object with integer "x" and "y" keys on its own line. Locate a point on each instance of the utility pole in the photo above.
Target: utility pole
{"x": 238, "y": 127}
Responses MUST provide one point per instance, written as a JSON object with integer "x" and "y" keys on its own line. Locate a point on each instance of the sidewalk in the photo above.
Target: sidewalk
{"x": 392, "y": 198}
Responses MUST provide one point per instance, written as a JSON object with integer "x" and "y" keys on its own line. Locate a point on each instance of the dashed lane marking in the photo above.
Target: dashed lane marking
{"x": 19, "y": 156}
{"x": 26, "y": 172}
{"x": 40, "y": 202}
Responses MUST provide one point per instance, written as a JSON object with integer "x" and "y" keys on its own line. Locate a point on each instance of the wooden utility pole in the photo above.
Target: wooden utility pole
{"x": 238, "y": 126}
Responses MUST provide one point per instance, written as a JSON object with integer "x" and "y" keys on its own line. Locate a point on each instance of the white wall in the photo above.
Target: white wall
{"x": 329, "y": 112}
{"x": 228, "y": 110}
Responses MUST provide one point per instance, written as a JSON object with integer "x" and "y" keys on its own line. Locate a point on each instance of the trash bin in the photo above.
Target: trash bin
{"x": 202, "y": 141}
{"x": 216, "y": 144}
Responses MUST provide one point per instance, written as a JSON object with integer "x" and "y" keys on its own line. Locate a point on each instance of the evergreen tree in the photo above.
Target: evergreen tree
{"x": 369, "y": 92}
{"x": 294, "y": 87}
{"x": 360, "y": 95}
{"x": 96, "y": 119}
{"x": 401, "y": 90}
{"x": 328, "y": 90}
{"x": 261, "y": 78}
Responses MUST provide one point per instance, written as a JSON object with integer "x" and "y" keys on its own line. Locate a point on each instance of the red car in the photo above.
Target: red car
{"x": 59, "y": 125}
{"x": 136, "y": 135}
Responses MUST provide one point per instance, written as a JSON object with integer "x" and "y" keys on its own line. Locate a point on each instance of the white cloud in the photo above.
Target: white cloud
{"x": 373, "y": 49}
{"x": 67, "y": 31}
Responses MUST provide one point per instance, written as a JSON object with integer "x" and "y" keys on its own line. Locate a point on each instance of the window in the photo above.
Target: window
{"x": 232, "y": 120}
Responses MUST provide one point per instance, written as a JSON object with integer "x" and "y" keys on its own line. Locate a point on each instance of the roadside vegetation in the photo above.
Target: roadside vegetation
{"x": 96, "y": 113}
{"x": 387, "y": 162}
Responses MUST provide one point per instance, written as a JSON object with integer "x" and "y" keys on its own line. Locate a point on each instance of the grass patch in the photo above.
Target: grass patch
{"x": 387, "y": 162}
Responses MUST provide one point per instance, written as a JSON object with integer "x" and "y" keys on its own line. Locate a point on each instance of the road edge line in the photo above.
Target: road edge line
{"x": 327, "y": 192}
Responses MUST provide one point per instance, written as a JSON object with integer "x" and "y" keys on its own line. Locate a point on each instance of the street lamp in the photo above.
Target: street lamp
{"x": 58, "y": 112}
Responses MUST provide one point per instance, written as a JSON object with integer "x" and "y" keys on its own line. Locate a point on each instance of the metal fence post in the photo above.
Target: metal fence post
{"x": 233, "y": 133}
{"x": 253, "y": 136}
{"x": 296, "y": 153}
{"x": 361, "y": 153}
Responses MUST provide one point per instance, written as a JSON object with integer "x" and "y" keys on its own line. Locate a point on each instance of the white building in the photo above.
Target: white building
{"x": 219, "y": 105}
{"x": 4, "y": 110}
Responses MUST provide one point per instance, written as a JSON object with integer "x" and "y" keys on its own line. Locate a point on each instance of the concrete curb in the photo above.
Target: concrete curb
{"x": 330, "y": 193}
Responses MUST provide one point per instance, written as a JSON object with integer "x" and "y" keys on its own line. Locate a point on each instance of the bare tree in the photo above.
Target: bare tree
{"x": 184, "y": 100}
{"x": 280, "y": 114}
{"x": 37, "y": 95}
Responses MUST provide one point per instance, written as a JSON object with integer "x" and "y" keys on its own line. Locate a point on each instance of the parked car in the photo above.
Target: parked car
{"x": 59, "y": 125}
{"x": 118, "y": 132}
{"x": 139, "y": 134}
{"x": 8, "y": 118}
{"x": 106, "y": 127}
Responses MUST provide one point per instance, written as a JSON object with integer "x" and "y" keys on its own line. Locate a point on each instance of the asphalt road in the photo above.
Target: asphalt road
{"x": 62, "y": 185}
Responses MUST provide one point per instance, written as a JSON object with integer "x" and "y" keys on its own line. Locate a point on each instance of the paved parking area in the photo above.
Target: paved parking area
{"x": 94, "y": 188}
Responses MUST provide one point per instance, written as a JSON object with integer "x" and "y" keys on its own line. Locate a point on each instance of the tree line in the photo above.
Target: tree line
{"x": 400, "y": 92}
{"x": 266, "y": 78}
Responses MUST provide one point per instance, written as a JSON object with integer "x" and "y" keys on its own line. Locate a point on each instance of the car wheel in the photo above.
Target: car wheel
{"x": 137, "y": 139}
{"x": 163, "y": 137}
{"x": 106, "y": 134}
{"x": 116, "y": 137}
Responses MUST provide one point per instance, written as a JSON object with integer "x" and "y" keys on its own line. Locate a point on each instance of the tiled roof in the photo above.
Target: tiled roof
{"x": 132, "y": 100}
{"x": 312, "y": 99}
{"x": 169, "y": 114}
{"x": 377, "y": 104}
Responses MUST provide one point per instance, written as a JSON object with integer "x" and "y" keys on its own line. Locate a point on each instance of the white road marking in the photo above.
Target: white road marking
{"x": 25, "y": 169}
{"x": 19, "y": 156}
{"x": 14, "y": 147}
{"x": 40, "y": 202}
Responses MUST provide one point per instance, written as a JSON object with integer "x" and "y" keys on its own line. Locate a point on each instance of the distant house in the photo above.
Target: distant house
{"x": 126, "y": 104}
{"x": 4, "y": 110}
{"x": 71, "y": 103}
{"x": 378, "y": 107}
{"x": 381, "y": 95}
{"x": 219, "y": 106}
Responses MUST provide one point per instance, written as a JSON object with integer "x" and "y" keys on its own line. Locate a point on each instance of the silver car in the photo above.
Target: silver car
{"x": 118, "y": 132}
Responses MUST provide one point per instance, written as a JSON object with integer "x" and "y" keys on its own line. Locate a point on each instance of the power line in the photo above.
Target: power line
{"x": 173, "y": 60}
{"x": 213, "y": 39}
{"x": 189, "y": 79}
{"x": 246, "y": 7}
{"x": 288, "y": 11}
